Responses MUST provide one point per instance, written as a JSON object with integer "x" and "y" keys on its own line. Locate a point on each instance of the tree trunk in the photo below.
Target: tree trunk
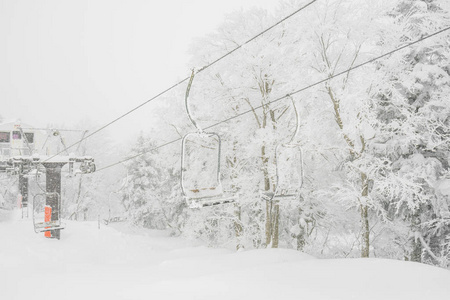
{"x": 238, "y": 226}
{"x": 301, "y": 238}
{"x": 301, "y": 241}
{"x": 78, "y": 200}
{"x": 416, "y": 254}
{"x": 275, "y": 224}
{"x": 269, "y": 204}
{"x": 268, "y": 223}
{"x": 365, "y": 230}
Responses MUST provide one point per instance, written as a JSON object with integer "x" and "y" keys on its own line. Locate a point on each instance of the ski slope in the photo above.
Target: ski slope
{"x": 120, "y": 262}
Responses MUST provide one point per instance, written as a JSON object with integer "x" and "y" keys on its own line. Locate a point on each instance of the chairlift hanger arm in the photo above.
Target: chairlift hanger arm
{"x": 297, "y": 119}
{"x": 64, "y": 144}
{"x": 26, "y": 140}
{"x": 82, "y": 138}
{"x": 186, "y": 97}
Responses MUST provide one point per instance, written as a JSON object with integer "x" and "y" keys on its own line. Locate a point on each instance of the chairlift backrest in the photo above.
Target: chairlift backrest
{"x": 86, "y": 166}
{"x": 200, "y": 165}
{"x": 44, "y": 219}
{"x": 289, "y": 163}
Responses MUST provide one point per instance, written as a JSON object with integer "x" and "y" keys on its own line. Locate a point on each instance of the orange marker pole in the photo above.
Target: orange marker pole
{"x": 47, "y": 218}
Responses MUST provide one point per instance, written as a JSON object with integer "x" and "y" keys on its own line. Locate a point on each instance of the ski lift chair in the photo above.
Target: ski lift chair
{"x": 34, "y": 168}
{"x": 3, "y": 166}
{"x": 18, "y": 166}
{"x": 34, "y": 172}
{"x": 87, "y": 166}
{"x": 206, "y": 188}
{"x": 12, "y": 167}
{"x": 289, "y": 169}
{"x": 44, "y": 218}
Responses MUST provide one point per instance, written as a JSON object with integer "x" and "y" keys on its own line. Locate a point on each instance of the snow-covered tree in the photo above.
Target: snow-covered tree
{"x": 150, "y": 194}
{"x": 413, "y": 106}
{"x": 375, "y": 140}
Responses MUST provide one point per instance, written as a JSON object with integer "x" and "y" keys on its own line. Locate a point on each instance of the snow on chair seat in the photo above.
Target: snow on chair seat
{"x": 48, "y": 226}
{"x": 207, "y": 197}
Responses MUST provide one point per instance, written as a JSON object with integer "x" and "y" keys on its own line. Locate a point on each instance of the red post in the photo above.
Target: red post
{"x": 47, "y": 218}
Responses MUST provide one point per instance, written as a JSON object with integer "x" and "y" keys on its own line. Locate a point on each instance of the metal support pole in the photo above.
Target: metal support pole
{"x": 23, "y": 189}
{"x": 53, "y": 189}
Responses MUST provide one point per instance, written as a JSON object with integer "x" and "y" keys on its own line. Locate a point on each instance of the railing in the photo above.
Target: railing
{"x": 7, "y": 152}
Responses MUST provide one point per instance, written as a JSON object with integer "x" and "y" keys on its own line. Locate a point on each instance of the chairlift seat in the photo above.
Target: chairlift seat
{"x": 48, "y": 226}
{"x": 210, "y": 201}
{"x": 285, "y": 195}
{"x": 33, "y": 173}
{"x": 208, "y": 197}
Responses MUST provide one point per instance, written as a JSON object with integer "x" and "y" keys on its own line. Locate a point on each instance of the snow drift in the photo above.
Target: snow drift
{"x": 122, "y": 262}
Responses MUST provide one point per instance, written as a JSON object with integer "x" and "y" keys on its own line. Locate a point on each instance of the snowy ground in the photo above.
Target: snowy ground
{"x": 124, "y": 263}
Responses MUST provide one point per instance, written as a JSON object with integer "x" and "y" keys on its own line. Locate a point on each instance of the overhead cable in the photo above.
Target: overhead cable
{"x": 185, "y": 79}
{"x": 287, "y": 95}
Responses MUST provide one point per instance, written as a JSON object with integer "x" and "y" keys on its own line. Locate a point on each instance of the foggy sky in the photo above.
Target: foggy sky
{"x": 64, "y": 61}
